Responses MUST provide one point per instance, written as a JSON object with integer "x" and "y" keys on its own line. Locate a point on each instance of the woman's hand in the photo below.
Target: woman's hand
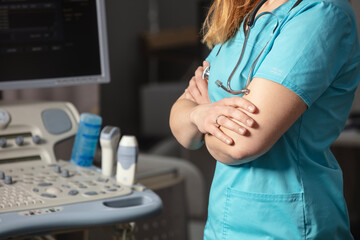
{"x": 198, "y": 87}
{"x": 228, "y": 113}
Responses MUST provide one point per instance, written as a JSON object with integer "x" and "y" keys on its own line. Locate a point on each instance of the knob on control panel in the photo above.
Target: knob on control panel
{"x": 19, "y": 140}
{"x": 4, "y": 118}
{"x": 57, "y": 169}
{"x": 8, "y": 180}
{"x": 36, "y": 139}
{"x": 2, "y": 175}
{"x": 3, "y": 142}
{"x": 65, "y": 173}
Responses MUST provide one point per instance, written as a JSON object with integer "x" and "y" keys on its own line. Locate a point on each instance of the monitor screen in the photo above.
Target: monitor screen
{"x": 47, "y": 43}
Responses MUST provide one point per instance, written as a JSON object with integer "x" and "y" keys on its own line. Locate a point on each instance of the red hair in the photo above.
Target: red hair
{"x": 224, "y": 19}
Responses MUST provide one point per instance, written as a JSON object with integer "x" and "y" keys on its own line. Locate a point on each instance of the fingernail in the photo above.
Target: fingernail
{"x": 250, "y": 122}
{"x": 251, "y": 108}
{"x": 228, "y": 141}
{"x": 241, "y": 130}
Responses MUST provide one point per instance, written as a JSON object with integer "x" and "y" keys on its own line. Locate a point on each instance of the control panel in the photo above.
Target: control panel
{"x": 36, "y": 185}
{"x": 32, "y": 129}
{"x": 39, "y": 192}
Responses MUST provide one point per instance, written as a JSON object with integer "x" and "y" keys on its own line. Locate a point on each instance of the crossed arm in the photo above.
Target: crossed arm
{"x": 251, "y": 126}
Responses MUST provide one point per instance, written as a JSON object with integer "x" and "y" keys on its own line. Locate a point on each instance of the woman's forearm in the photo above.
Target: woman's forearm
{"x": 227, "y": 154}
{"x": 194, "y": 115}
{"x": 271, "y": 123}
{"x": 186, "y": 133}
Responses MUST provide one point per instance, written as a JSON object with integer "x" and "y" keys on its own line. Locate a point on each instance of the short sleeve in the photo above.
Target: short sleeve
{"x": 309, "y": 50}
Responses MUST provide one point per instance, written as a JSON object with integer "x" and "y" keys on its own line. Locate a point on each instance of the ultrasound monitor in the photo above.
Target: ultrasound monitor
{"x": 48, "y": 43}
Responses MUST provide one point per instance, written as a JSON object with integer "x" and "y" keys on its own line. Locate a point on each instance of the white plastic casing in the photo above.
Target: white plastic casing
{"x": 126, "y": 160}
{"x": 109, "y": 139}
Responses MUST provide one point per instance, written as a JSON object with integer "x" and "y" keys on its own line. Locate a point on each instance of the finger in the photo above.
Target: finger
{"x": 206, "y": 64}
{"x": 193, "y": 89}
{"x": 202, "y": 85}
{"x": 189, "y": 96}
{"x": 238, "y": 115}
{"x": 216, "y": 132}
{"x": 199, "y": 72}
{"x": 240, "y": 102}
{"x": 231, "y": 125}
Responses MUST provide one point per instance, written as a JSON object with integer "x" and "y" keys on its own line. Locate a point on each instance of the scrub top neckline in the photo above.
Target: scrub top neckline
{"x": 240, "y": 35}
{"x": 281, "y": 6}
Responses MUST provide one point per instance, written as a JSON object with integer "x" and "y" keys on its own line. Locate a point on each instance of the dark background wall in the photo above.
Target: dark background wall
{"x": 127, "y": 21}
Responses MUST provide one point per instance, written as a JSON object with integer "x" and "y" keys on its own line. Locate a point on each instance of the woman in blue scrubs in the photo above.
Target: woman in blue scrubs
{"x": 275, "y": 177}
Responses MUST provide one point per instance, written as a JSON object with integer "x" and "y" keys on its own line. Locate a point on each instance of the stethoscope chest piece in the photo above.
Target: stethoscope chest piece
{"x": 206, "y": 73}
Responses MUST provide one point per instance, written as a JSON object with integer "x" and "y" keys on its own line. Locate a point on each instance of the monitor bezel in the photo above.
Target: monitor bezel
{"x": 104, "y": 77}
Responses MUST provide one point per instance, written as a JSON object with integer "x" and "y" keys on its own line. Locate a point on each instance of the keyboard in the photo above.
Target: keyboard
{"x": 35, "y": 185}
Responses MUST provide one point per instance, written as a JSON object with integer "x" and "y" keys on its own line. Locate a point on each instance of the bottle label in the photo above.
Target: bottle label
{"x": 85, "y": 144}
{"x": 127, "y": 156}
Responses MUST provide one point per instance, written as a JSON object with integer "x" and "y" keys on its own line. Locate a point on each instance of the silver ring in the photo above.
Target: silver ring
{"x": 216, "y": 120}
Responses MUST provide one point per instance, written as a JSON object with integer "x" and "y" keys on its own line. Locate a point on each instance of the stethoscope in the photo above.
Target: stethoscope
{"x": 250, "y": 23}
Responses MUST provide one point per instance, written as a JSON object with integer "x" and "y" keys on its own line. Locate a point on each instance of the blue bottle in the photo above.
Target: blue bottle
{"x": 86, "y": 140}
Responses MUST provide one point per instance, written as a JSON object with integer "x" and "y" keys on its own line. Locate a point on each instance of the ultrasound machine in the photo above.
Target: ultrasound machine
{"x": 52, "y": 43}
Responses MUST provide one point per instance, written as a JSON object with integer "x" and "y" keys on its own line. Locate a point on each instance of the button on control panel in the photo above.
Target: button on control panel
{"x": 8, "y": 142}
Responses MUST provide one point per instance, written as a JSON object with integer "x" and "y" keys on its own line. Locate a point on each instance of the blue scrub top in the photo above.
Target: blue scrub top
{"x": 295, "y": 190}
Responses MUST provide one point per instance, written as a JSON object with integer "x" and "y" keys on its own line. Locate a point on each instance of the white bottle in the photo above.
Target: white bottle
{"x": 126, "y": 160}
{"x": 109, "y": 140}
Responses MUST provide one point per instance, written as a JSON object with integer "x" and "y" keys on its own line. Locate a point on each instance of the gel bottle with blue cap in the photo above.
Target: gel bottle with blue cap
{"x": 86, "y": 140}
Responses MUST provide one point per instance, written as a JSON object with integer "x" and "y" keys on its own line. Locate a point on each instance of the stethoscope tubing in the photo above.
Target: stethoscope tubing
{"x": 245, "y": 90}
{"x": 250, "y": 23}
